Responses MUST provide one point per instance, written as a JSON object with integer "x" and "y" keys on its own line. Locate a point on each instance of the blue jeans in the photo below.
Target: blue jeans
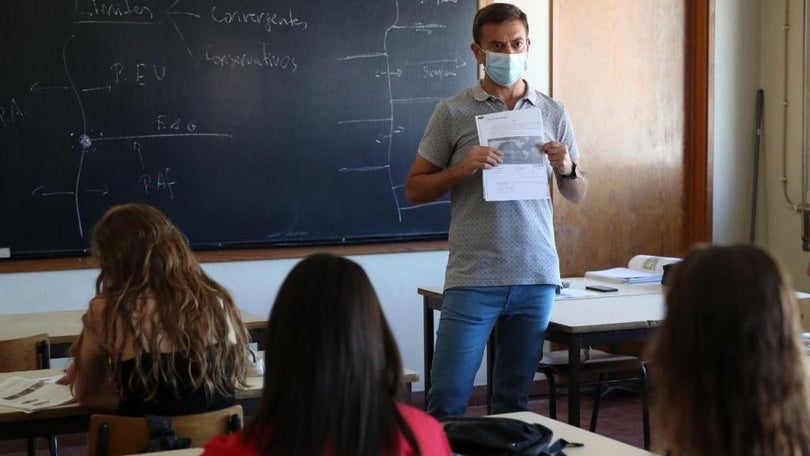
{"x": 467, "y": 318}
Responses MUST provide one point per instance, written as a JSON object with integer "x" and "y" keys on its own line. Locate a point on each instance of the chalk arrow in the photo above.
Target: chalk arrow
{"x": 35, "y": 88}
{"x": 103, "y": 191}
{"x": 170, "y": 12}
{"x": 42, "y": 192}
{"x": 419, "y": 27}
{"x": 397, "y": 73}
{"x": 106, "y": 87}
{"x": 456, "y": 61}
{"x": 425, "y": 28}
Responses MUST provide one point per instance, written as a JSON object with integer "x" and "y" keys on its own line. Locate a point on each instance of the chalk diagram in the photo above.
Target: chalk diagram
{"x": 406, "y": 56}
{"x": 134, "y": 16}
{"x": 429, "y": 69}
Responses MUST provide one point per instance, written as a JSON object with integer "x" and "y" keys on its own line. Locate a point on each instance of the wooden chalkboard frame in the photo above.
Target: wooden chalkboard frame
{"x": 223, "y": 256}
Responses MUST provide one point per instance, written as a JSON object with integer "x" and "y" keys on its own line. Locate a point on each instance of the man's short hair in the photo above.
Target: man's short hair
{"x": 497, "y": 13}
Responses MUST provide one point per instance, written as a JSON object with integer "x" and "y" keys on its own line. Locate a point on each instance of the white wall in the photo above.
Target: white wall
{"x": 254, "y": 285}
{"x": 539, "y": 14}
{"x": 737, "y": 59}
{"x": 750, "y": 54}
{"x": 782, "y": 149}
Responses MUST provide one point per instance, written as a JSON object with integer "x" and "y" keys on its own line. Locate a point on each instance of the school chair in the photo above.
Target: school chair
{"x": 112, "y": 435}
{"x": 608, "y": 369}
{"x": 28, "y": 353}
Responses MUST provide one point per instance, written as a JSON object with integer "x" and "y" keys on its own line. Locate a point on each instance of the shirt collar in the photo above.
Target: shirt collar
{"x": 479, "y": 94}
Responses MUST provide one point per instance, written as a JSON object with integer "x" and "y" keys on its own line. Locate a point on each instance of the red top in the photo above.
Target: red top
{"x": 428, "y": 432}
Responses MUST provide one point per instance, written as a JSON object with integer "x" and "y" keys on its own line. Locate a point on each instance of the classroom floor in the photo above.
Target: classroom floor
{"x": 619, "y": 418}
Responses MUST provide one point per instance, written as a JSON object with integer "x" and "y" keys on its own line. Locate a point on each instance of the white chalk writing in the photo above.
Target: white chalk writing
{"x": 10, "y": 113}
{"x": 120, "y": 9}
{"x": 139, "y": 73}
{"x": 437, "y": 73}
{"x": 163, "y": 124}
{"x": 264, "y": 59}
{"x": 266, "y": 19}
{"x": 161, "y": 183}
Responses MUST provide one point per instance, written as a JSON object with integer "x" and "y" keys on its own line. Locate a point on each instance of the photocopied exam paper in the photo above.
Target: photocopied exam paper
{"x": 30, "y": 394}
{"x": 524, "y": 173}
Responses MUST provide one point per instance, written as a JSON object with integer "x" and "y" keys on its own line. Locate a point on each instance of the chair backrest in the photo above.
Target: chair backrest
{"x": 112, "y": 435}
{"x": 25, "y": 353}
{"x": 804, "y": 311}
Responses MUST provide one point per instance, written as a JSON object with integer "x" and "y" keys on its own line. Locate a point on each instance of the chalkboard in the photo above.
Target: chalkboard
{"x": 250, "y": 123}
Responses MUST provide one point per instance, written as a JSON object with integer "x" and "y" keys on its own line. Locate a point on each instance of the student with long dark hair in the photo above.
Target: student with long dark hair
{"x": 332, "y": 374}
{"x": 728, "y": 362}
{"x": 160, "y": 337}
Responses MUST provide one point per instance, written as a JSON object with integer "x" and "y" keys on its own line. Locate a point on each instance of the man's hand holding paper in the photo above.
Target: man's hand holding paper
{"x": 558, "y": 156}
{"x": 481, "y": 157}
{"x": 524, "y": 171}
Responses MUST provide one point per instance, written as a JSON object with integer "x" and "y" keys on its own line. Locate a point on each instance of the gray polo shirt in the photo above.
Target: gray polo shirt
{"x": 502, "y": 242}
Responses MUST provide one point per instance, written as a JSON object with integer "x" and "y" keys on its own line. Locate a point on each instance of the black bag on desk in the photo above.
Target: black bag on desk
{"x": 494, "y": 436}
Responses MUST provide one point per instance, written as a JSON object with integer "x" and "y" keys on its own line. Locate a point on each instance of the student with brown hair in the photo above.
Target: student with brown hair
{"x": 728, "y": 362}
{"x": 160, "y": 337}
{"x": 332, "y": 374}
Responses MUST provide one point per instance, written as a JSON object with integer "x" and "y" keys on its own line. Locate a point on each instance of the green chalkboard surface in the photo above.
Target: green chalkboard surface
{"x": 250, "y": 123}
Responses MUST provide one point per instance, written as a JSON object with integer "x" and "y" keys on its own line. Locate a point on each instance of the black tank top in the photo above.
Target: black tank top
{"x": 167, "y": 401}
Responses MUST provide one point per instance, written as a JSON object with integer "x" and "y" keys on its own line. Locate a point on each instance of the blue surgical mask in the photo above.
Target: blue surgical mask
{"x": 505, "y": 69}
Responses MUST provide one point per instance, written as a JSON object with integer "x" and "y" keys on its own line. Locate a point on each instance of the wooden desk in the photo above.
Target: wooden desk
{"x": 593, "y": 443}
{"x": 73, "y": 418}
{"x": 65, "y": 419}
{"x": 63, "y": 327}
{"x": 183, "y": 452}
{"x": 249, "y": 397}
{"x": 628, "y": 315}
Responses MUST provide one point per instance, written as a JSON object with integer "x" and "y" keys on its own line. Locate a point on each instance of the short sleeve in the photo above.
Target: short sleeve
{"x": 566, "y": 136}
{"x": 435, "y": 146}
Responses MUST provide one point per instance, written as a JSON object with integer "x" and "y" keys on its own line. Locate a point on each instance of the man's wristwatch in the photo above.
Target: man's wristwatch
{"x": 572, "y": 174}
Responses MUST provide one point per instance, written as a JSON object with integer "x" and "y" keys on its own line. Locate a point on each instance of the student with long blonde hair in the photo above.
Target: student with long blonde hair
{"x": 160, "y": 337}
{"x": 728, "y": 362}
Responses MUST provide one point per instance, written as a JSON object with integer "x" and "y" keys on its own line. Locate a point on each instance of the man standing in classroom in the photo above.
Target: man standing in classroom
{"x": 503, "y": 267}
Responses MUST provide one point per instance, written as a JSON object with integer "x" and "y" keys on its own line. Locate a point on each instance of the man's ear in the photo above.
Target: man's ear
{"x": 480, "y": 56}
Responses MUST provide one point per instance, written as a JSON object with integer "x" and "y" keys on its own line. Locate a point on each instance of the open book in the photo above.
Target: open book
{"x": 640, "y": 269}
{"x": 29, "y": 394}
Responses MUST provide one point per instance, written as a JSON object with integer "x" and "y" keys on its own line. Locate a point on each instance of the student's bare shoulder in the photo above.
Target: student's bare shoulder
{"x": 97, "y": 304}
{"x": 95, "y": 310}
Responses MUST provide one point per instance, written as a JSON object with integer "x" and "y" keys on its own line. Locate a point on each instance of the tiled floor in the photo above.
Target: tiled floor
{"x": 619, "y": 418}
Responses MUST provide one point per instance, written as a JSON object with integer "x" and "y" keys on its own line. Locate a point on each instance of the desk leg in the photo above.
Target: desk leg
{"x": 575, "y": 373}
{"x": 258, "y": 335}
{"x": 491, "y": 365}
{"x": 427, "y": 323}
